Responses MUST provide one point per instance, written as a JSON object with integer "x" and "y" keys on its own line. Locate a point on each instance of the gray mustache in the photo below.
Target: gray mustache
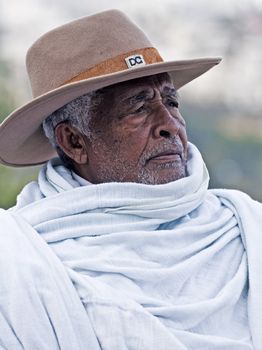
{"x": 172, "y": 146}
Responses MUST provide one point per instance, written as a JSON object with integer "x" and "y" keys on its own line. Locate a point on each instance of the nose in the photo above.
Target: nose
{"x": 167, "y": 124}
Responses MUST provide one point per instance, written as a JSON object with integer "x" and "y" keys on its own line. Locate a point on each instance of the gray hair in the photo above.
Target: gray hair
{"x": 77, "y": 114}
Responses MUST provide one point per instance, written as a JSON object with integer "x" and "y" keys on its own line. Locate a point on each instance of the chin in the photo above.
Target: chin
{"x": 162, "y": 176}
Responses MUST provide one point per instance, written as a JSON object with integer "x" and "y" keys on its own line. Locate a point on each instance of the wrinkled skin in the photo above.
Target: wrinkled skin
{"x": 137, "y": 134}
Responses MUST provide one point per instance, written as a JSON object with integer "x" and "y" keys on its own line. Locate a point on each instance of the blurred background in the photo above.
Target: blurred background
{"x": 222, "y": 108}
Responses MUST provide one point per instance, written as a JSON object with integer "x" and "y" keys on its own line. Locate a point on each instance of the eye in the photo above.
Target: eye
{"x": 173, "y": 103}
{"x": 140, "y": 109}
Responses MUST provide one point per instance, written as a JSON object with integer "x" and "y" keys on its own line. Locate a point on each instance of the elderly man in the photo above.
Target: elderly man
{"x": 120, "y": 244}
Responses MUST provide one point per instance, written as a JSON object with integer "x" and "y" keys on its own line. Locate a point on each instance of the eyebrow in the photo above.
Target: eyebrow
{"x": 145, "y": 95}
{"x": 140, "y": 96}
{"x": 171, "y": 91}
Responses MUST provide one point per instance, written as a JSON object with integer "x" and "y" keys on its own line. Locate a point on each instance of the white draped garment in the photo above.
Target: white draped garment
{"x": 130, "y": 266}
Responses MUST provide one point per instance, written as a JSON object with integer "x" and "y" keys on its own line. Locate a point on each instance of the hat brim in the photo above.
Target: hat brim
{"x": 22, "y": 141}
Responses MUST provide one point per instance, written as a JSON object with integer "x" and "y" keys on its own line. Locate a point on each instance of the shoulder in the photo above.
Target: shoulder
{"x": 241, "y": 203}
{"x": 29, "y": 194}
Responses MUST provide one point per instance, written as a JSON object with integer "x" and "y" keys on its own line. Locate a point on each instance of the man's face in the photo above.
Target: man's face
{"x": 137, "y": 134}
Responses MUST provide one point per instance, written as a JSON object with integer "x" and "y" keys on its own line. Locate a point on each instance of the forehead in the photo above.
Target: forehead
{"x": 162, "y": 82}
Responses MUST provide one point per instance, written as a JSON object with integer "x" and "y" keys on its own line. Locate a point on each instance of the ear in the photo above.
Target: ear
{"x": 72, "y": 142}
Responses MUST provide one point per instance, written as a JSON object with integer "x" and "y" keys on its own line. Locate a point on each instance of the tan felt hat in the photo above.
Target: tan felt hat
{"x": 84, "y": 55}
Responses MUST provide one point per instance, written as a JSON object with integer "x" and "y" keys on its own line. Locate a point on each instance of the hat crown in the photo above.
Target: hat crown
{"x": 66, "y": 51}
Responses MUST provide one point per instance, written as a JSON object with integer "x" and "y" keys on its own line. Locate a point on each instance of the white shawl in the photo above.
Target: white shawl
{"x": 171, "y": 266}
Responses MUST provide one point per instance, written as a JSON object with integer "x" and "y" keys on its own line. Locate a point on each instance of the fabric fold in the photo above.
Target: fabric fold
{"x": 165, "y": 265}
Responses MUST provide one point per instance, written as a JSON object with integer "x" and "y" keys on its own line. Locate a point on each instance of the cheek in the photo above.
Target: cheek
{"x": 104, "y": 145}
{"x": 125, "y": 141}
{"x": 119, "y": 137}
{"x": 127, "y": 148}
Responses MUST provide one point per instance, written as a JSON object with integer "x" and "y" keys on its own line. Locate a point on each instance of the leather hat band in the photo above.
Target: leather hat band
{"x": 129, "y": 60}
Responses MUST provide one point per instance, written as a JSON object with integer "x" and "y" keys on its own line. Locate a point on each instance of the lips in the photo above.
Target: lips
{"x": 166, "y": 156}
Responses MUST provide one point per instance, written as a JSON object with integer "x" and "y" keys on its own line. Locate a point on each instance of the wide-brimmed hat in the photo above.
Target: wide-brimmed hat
{"x": 76, "y": 58}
